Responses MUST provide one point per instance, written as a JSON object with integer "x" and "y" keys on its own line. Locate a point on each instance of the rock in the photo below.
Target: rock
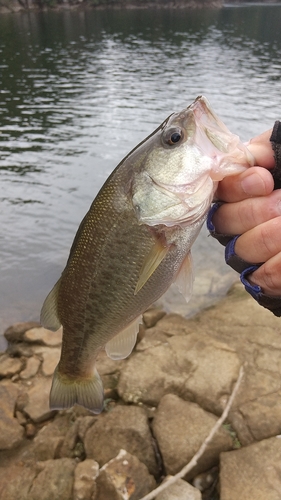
{"x": 37, "y": 407}
{"x": 56, "y": 439}
{"x": 9, "y": 366}
{"x": 55, "y": 481}
{"x": 15, "y": 482}
{"x": 15, "y": 332}
{"x": 183, "y": 426}
{"x": 181, "y": 490}
{"x": 43, "y": 336}
{"x": 252, "y": 472}
{"x": 151, "y": 316}
{"x": 31, "y": 368}
{"x": 124, "y": 478}
{"x": 51, "y": 358}
{"x": 196, "y": 367}
{"x": 124, "y": 427}
{"x": 85, "y": 476}
{"x": 11, "y": 432}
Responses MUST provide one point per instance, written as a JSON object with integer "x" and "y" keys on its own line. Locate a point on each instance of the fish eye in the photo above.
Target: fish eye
{"x": 173, "y": 136}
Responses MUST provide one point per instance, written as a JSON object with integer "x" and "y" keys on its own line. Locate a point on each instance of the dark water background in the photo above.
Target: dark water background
{"x": 78, "y": 90}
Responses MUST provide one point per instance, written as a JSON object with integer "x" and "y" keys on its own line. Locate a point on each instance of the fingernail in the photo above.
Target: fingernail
{"x": 253, "y": 185}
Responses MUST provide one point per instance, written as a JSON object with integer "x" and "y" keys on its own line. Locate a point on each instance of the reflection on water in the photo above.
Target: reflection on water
{"x": 78, "y": 90}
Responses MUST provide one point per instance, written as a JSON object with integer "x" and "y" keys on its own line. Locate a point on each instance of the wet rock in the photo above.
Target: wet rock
{"x": 9, "y": 366}
{"x": 15, "y": 482}
{"x": 16, "y": 331}
{"x": 54, "y": 481}
{"x": 124, "y": 478}
{"x": 37, "y": 407}
{"x": 183, "y": 426}
{"x": 197, "y": 368}
{"x": 11, "y": 432}
{"x": 31, "y": 368}
{"x": 252, "y": 472}
{"x": 85, "y": 476}
{"x": 124, "y": 427}
{"x": 43, "y": 336}
{"x": 181, "y": 490}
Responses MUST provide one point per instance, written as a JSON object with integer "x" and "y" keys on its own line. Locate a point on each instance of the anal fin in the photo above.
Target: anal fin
{"x": 121, "y": 346}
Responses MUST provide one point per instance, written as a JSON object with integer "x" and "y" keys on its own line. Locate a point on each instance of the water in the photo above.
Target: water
{"x": 78, "y": 90}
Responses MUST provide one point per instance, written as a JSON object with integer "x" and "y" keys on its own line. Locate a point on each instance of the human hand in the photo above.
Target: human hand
{"x": 253, "y": 210}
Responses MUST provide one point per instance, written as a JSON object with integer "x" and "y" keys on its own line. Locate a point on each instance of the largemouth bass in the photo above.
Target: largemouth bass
{"x": 134, "y": 242}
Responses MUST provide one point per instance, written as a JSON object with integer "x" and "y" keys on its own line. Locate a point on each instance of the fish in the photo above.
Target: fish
{"x": 134, "y": 242}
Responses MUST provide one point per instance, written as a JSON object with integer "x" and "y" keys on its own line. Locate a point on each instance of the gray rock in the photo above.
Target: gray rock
{"x": 252, "y": 472}
{"x": 183, "y": 426}
{"x": 196, "y": 367}
{"x": 85, "y": 476}
{"x": 37, "y": 407}
{"x": 15, "y": 482}
{"x": 43, "y": 336}
{"x": 124, "y": 427}
{"x": 11, "y": 432}
{"x": 9, "y": 366}
{"x": 181, "y": 490}
{"x": 151, "y": 316}
{"x": 51, "y": 358}
{"x": 16, "y": 331}
{"x": 54, "y": 481}
{"x": 124, "y": 478}
{"x": 31, "y": 368}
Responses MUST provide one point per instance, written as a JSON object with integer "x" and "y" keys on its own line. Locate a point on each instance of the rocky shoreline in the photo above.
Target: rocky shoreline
{"x": 160, "y": 405}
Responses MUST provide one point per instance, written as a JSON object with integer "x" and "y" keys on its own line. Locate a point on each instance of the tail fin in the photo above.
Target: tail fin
{"x": 66, "y": 392}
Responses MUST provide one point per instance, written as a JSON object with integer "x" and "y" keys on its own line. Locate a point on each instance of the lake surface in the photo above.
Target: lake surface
{"x": 79, "y": 89}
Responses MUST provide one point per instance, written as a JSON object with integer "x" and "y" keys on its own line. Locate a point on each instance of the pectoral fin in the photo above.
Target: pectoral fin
{"x": 157, "y": 253}
{"x": 49, "y": 313}
{"x": 120, "y": 346}
{"x": 184, "y": 279}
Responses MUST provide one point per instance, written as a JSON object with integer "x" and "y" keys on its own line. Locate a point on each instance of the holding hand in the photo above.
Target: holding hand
{"x": 253, "y": 211}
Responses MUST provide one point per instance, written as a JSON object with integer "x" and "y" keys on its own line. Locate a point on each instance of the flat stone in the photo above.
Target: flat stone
{"x": 9, "y": 366}
{"x": 16, "y": 331}
{"x": 31, "y": 368}
{"x": 124, "y": 427}
{"x": 180, "y": 490}
{"x": 85, "y": 476}
{"x": 11, "y": 432}
{"x": 183, "y": 426}
{"x": 196, "y": 367}
{"x": 252, "y": 472}
{"x": 55, "y": 481}
{"x": 43, "y": 336}
{"x": 15, "y": 482}
{"x": 37, "y": 407}
{"x": 124, "y": 477}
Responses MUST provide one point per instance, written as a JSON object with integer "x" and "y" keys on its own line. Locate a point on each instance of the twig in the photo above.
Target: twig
{"x": 202, "y": 448}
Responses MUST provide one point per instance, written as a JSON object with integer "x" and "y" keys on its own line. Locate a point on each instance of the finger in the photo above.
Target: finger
{"x": 255, "y": 181}
{"x": 268, "y": 276}
{"x": 237, "y": 218}
{"x": 260, "y": 243}
{"x": 261, "y": 149}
